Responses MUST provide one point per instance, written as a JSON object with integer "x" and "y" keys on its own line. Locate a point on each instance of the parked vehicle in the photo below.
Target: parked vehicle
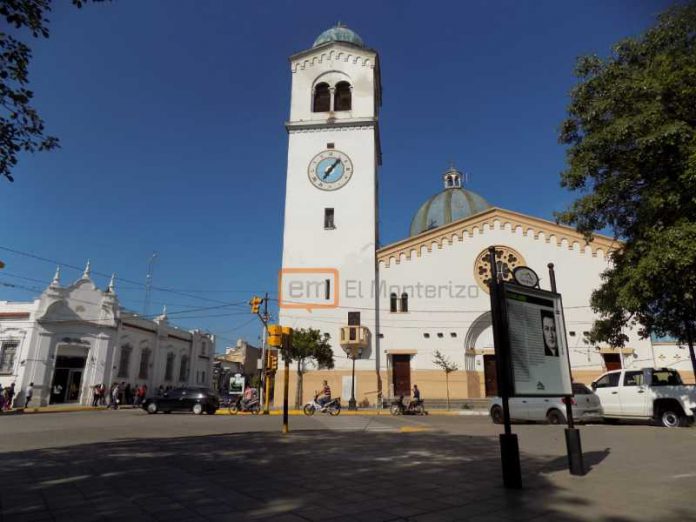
{"x": 414, "y": 407}
{"x": 656, "y": 394}
{"x": 586, "y": 407}
{"x": 333, "y": 407}
{"x": 253, "y": 406}
{"x": 196, "y": 400}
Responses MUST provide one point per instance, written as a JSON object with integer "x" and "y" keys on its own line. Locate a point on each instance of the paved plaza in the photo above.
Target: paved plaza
{"x": 127, "y": 466}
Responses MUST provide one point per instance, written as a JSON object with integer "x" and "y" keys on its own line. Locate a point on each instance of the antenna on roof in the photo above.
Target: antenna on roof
{"x": 148, "y": 283}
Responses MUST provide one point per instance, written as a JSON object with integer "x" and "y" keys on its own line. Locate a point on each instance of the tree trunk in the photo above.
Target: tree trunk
{"x": 298, "y": 391}
{"x": 447, "y": 387}
{"x": 690, "y": 341}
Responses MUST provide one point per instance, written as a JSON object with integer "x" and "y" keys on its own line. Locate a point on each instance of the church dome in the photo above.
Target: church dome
{"x": 339, "y": 33}
{"x": 450, "y": 205}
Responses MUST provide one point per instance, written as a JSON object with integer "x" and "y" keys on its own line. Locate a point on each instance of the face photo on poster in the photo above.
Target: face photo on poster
{"x": 548, "y": 329}
{"x": 538, "y": 350}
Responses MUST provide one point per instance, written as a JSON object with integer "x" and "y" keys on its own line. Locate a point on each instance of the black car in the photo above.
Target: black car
{"x": 196, "y": 400}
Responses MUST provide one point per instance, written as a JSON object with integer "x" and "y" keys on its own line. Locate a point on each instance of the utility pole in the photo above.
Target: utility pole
{"x": 265, "y": 382}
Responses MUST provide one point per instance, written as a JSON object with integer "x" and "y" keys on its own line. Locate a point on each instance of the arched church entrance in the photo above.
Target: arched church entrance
{"x": 480, "y": 358}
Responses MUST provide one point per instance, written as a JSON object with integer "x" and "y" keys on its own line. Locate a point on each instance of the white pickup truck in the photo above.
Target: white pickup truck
{"x": 650, "y": 393}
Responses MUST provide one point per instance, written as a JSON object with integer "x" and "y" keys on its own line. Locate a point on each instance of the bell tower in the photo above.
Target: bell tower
{"x": 330, "y": 229}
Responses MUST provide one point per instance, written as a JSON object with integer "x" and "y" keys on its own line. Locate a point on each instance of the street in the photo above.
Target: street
{"x": 128, "y": 465}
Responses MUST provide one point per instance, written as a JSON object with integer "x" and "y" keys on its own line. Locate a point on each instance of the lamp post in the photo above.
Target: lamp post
{"x": 353, "y": 353}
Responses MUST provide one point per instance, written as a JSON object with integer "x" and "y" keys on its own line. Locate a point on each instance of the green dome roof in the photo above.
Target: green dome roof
{"x": 450, "y": 205}
{"x": 339, "y": 33}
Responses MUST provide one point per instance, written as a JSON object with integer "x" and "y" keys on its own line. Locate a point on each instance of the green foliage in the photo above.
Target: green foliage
{"x": 310, "y": 344}
{"x": 631, "y": 133}
{"x": 444, "y": 363}
{"x": 21, "y": 127}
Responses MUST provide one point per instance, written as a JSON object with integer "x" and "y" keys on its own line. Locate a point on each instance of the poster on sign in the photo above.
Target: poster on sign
{"x": 537, "y": 341}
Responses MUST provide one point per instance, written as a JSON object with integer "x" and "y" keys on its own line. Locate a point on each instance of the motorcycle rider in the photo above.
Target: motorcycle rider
{"x": 324, "y": 397}
{"x": 416, "y": 398}
{"x": 249, "y": 396}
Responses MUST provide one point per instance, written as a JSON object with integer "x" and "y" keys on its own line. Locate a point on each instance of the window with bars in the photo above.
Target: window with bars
{"x": 169, "y": 368}
{"x": 144, "y": 364}
{"x": 8, "y": 353}
{"x": 124, "y": 361}
{"x": 183, "y": 369}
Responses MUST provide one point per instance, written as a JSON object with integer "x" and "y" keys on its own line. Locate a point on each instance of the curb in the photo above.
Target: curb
{"x": 224, "y": 411}
{"x": 49, "y": 409}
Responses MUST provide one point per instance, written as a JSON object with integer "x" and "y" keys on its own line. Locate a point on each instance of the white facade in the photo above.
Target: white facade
{"x": 71, "y": 339}
{"x": 438, "y": 269}
{"x": 348, "y": 248}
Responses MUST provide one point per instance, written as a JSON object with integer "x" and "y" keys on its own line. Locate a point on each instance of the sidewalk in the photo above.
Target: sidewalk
{"x": 71, "y": 408}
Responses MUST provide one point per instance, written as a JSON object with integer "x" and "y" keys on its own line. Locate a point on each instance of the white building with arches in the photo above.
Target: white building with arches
{"x": 392, "y": 307}
{"x": 74, "y": 337}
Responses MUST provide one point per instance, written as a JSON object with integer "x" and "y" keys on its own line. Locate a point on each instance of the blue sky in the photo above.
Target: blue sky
{"x": 170, "y": 116}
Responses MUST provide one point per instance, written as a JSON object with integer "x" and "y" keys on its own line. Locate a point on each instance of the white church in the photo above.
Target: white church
{"x": 389, "y": 308}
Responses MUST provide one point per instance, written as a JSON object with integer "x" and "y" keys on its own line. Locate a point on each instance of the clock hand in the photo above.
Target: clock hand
{"x": 330, "y": 169}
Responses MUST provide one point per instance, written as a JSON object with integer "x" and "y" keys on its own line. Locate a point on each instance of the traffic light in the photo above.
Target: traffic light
{"x": 287, "y": 337}
{"x": 255, "y": 304}
{"x": 272, "y": 364}
{"x": 275, "y": 335}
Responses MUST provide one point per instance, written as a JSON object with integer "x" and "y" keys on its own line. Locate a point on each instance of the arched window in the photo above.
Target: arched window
{"x": 124, "y": 361}
{"x": 404, "y": 302}
{"x": 183, "y": 369}
{"x": 144, "y": 364}
{"x": 169, "y": 369}
{"x": 322, "y": 98}
{"x": 342, "y": 97}
{"x": 392, "y": 303}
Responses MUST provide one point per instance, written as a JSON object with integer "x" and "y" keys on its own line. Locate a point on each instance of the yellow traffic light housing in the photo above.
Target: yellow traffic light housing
{"x": 275, "y": 335}
{"x": 272, "y": 364}
{"x": 287, "y": 337}
{"x": 255, "y": 304}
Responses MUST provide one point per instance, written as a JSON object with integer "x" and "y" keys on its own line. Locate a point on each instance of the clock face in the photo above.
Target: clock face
{"x": 330, "y": 170}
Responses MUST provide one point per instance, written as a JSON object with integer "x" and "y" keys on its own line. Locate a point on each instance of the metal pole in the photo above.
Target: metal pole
{"x": 576, "y": 465}
{"x": 351, "y": 403}
{"x": 286, "y": 386}
{"x": 509, "y": 446}
{"x": 264, "y": 357}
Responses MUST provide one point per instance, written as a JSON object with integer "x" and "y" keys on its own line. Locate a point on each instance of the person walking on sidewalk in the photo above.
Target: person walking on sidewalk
{"x": 115, "y": 396}
{"x": 9, "y": 396}
{"x": 28, "y": 394}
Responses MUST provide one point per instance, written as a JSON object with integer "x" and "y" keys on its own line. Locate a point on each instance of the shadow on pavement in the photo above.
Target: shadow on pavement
{"x": 308, "y": 475}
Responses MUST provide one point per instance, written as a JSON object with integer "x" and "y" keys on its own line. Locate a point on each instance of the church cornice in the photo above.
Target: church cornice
{"x": 322, "y": 125}
{"x": 495, "y": 218}
{"x": 336, "y": 51}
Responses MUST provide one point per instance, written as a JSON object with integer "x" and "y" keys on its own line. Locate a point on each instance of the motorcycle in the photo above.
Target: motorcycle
{"x": 240, "y": 405}
{"x": 333, "y": 407}
{"x": 414, "y": 407}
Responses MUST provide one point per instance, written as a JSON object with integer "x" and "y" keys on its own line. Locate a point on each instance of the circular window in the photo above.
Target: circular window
{"x": 507, "y": 260}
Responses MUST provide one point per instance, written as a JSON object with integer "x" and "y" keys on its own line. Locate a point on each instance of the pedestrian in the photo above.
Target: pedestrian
{"x": 128, "y": 394}
{"x": 95, "y": 395}
{"x": 10, "y": 396}
{"x": 115, "y": 396}
{"x": 28, "y": 394}
{"x": 160, "y": 391}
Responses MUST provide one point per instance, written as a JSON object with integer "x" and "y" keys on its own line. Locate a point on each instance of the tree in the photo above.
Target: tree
{"x": 446, "y": 366}
{"x": 21, "y": 127}
{"x": 631, "y": 133}
{"x": 308, "y": 346}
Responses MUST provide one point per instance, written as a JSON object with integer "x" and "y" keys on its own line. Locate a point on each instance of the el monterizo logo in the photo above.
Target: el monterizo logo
{"x": 310, "y": 288}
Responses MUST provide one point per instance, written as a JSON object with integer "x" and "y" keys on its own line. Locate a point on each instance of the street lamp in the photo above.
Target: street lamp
{"x": 353, "y": 353}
